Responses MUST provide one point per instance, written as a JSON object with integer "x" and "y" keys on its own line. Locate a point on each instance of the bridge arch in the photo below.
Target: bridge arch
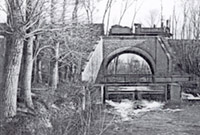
{"x": 135, "y": 50}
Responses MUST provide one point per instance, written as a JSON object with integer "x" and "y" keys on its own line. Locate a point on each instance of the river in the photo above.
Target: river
{"x": 152, "y": 118}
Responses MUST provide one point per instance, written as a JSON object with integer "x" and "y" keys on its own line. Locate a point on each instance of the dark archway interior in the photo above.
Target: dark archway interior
{"x": 129, "y": 63}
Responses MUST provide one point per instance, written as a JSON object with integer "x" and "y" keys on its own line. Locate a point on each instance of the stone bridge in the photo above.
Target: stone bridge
{"x": 156, "y": 50}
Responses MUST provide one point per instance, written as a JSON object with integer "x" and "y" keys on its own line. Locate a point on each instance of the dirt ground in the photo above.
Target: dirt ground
{"x": 182, "y": 119}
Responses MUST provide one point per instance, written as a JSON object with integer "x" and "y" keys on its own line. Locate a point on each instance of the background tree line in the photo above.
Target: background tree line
{"x": 186, "y": 31}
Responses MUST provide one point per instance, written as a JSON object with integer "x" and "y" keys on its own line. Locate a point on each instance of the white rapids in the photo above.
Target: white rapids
{"x": 128, "y": 109}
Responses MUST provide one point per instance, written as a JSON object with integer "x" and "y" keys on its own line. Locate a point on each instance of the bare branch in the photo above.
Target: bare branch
{"x": 126, "y": 7}
{"x": 41, "y": 49}
{"x": 108, "y": 5}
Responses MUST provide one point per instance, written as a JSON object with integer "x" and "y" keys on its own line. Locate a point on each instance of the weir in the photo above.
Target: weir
{"x": 151, "y": 91}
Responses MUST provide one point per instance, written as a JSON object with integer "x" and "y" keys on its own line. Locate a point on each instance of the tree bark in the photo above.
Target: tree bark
{"x": 37, "y": 63}
{"x": 39, "y": 70}
{"x": 64, "y": 11}
{"x": 28, "y": 59}
{"x": 75, "y": 12}
{"x": 28, "y": 67}
{"x": 54, "y": 67}
{"x": 13, "y": 55}
{"x": 35, "y": 78}
{"x": 14, "y": 49}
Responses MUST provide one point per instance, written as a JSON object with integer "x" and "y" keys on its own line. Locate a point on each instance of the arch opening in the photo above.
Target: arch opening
{"x": 128, "y": 63}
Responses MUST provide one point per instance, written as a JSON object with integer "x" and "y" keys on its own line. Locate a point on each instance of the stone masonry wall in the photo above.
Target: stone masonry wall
{"x": 149, "y": 45}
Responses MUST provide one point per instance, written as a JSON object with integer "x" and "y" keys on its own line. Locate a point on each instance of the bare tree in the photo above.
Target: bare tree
{"x": 153, "y": 17}
{"x": 75, "y": 11}
{"x": 28, "y": 55}
{"x": 34, "y": 18}
{"x": 187, "y": 59}
{"x": 14, "y": 49}
{"x": 107, "y": 10}
{"x": 190, "y": 27}
{"x": 55, "y": 48}
{"x": 136, "y": 10}
{"x": 194, "y": 23}
{"x": 63, "y": 18}
{"x": 89, "y": 6}
{"x": 127, "y": 5}
{"x": 185, "y": 13}
{"x": 175, "y": 20}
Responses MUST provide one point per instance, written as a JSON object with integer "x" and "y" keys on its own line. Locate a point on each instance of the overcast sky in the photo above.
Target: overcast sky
{"x": 2, "y": 14}
{"x": 143, "y": 15}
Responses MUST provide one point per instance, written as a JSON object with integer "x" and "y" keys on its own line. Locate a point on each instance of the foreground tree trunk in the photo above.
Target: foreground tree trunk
{"x": 13, "y": 55}
{"x": 14, "y": 48}
{"x": 28, "y": 67}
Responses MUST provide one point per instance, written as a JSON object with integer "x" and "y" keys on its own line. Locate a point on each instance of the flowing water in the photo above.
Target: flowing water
{"x": 128, "y": 109}
{"x": 153, "y": 118}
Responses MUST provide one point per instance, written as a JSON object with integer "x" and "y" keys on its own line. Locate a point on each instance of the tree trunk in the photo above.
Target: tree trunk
{"x": 64, "y": 11}
{"x": 54, "y": 68}
{"x": 14, "y": 49}
{"x": 28, "y": 67}
{"x": 75, "y": 12}
{"x": 35, "y": 78}
{"x": 28, "y": 60}
{"x": 39, "y": 70}
{"x": 37, "y": 63}
{"x": 13, "y": 55}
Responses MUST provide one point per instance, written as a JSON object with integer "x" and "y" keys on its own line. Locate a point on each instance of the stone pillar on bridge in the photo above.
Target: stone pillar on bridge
{"x": 137, "y": 95}
{"x": 103, "y": 94}
{"x": 174, "y": 92}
